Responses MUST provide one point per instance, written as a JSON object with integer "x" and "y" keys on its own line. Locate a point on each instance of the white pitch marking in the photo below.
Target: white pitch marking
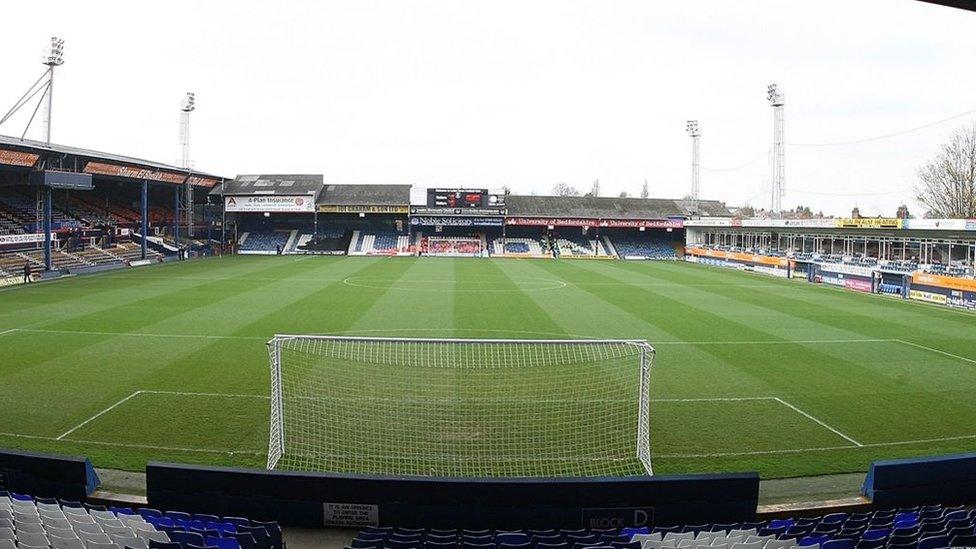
{"x": 819, "y": 422}
{"x": 185, "y": 393}
{"x": 777, "y": 342}
{"x": 10, "y": 331}
{"x": 817, "y": 448}
{"x": 660, "y": 456}
{"x": 140, "y": 334}
{"x": 96, "y": 416}
{"x": 127, "y": 445}
{"x": 381, "y": 330}
{"x": 266, "y": 397}
{"x": 930, "y": 349}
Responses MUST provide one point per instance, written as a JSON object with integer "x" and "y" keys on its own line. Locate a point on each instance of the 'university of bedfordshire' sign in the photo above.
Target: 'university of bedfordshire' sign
{"x": 595, "y": 222}
{"x": 268, "y": 203}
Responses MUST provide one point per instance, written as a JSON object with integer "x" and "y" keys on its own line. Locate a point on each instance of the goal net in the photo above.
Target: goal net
{"x": 452, "y": 407}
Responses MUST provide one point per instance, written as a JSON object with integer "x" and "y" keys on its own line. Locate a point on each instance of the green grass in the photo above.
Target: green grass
{"x": 822, "y": 367}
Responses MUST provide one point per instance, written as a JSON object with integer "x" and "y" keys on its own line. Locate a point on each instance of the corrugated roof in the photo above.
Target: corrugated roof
{"x": 606, "y": 207}
{"x": 272, "y": 184}
{"x": 41, "y": 147}
{"x": 365, "y": 195}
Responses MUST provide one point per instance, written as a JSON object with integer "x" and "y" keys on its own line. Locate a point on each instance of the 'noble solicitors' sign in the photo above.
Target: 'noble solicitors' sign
{"x": 269, "y": 204}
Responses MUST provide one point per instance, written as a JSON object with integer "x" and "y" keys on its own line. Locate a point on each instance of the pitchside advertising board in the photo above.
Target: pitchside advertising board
{"x": 773, "y": 266}
{"x": 429, "y": 221}
{"x": 595, "y": 222}
{"x": 279, "y": 204}
{"x": 9, "y": 239}
{"x": 959, "y": 293}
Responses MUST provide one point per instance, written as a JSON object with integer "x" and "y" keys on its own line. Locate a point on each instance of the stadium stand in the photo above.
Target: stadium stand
{"x": 528, "y": 247}
{"x": 59, "y": 259}
{"x": 582, "y": 247}
{"x": 330, "y": 240}
{"x": 379, "y": 242}
{"x": 130, "y": 251}
{"x": 453, "y": 246}
{"x": 649, "y": 247}
{"x": 24, "y": 211}
{"x": 930, "y": 527}
{"x": 263, "y": 241}
{"x": 13, "y": 264}
{"x": 38, "y": 523}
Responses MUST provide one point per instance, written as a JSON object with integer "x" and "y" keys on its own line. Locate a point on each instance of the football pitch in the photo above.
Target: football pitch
{"x": 169, "y": 362}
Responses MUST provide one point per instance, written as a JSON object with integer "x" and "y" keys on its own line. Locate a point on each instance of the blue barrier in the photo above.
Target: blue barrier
{"x": 314, "y": 499}
{"x": 922, "y": 481}
{"x": 47, "y": 475}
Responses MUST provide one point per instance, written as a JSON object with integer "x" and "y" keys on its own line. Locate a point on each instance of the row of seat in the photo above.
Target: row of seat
{"x": 932, "y": 527}
{"x": 28, "y": 523}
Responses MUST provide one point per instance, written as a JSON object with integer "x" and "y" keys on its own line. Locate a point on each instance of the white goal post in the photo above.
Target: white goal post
{"x": 460, "y": 407}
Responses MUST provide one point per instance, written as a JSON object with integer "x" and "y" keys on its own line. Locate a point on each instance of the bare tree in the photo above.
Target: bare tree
{"x": 564, "y": 189}
{"x": 645, "y": 190}
{"x": 947, "y": 183}
{"x": 596, "y": 188}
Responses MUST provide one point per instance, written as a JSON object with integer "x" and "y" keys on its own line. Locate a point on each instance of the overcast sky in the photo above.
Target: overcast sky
{"x": 521, "y": 93}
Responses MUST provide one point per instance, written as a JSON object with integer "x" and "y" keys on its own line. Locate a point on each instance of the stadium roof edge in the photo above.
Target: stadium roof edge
{"x": 968, "y": 5}
{"x": 41, "y": 147}
{"x": 272, "y": 185}
{"x": 610, "y": 207}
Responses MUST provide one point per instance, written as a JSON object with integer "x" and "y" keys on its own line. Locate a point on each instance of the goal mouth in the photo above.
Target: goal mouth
{"x": 441, "y": 407}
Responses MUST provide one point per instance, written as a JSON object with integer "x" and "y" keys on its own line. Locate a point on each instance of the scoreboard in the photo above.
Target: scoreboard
{"x": 463, "y": 199}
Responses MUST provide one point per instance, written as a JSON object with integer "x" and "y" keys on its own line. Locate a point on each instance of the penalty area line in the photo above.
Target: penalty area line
{"x": 98, "y": 415}
{"x": 818, "y": 421}
{"x": 813, "y": 449}
{"x": 934, "y": 350}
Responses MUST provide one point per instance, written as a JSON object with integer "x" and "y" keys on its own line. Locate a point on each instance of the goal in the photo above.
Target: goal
{"x": 460, "y": 407}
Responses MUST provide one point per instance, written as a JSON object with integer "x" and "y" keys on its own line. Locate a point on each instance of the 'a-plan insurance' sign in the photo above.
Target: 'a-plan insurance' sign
{"x": 291, "y": 204}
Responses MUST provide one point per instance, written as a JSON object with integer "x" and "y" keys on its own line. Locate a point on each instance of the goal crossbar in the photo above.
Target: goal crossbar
{"x": 460, "y": 407}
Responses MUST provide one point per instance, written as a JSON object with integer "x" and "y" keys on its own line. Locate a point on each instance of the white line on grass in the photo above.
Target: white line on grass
{"x": 815, "y": 448}
{"x": 817, "y": 421}
{"x": 776, "y": 342}
{"x": 139, "y": 334}
{"x": 930, "y": 349}
{"x": 382, "y": 330}
{"x": 857, "y": 445}
{"x": 128, "y": 445}
{"x": 96, "y": 416}
{"x": 10, "y": 331}
{"x": 266, "y": 397}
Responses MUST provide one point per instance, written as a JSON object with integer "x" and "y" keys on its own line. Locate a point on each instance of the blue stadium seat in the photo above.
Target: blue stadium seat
{"x": 186, "y": 538}
{"x": 934, "y": 542}
{"x": 222, "y": 543}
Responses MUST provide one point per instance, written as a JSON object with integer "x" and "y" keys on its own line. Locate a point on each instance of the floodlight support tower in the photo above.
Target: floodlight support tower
{"x": 694, "y": 130}
{"x": 777, "y": 100}
{"x": 186, "y": 107}
{"x": 53, "y": 57}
